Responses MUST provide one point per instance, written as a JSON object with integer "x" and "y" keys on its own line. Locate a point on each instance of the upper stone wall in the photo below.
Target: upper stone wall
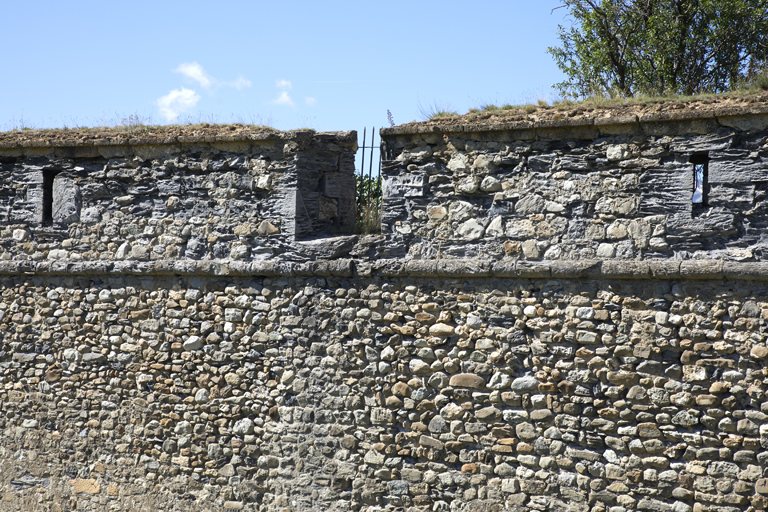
{"x": 580, "y": 187}
{"x": 224, "y": 194}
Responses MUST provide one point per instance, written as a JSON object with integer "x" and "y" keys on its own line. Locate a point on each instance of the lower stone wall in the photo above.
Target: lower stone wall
{"x": 382, "y": 392}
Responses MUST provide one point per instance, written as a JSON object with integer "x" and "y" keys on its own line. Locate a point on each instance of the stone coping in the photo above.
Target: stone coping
{"x": 163, "y": 137}
{"x": 719, "y": 115}
{"x": 445, "y": 268}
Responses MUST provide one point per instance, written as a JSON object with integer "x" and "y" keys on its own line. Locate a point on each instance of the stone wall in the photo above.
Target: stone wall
{"x": 426, "y": 369}
{"x": 194, "y": 198}
{"x": 587, "y": 188}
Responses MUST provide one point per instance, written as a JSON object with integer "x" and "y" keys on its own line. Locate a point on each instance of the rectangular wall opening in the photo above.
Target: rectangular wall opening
{"x": 700, "y": 163}
{"x": 48, "y": 177}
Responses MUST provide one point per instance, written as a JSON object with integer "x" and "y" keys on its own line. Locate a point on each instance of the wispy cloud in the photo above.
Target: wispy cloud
{"x": 195, "y": 72}
{"x": 284, "y": 98}
{"x": 176, "y": 102}
{"x": 179, "y": 101}
{"x": 239, "y": 84}
{"x": 310, "y": 101}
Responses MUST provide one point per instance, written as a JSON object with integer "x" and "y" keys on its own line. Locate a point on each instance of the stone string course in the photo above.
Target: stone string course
{"x": 205, "y": 366}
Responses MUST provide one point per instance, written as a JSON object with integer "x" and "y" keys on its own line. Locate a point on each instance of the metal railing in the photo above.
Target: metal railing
{"x": 368, "y": 186}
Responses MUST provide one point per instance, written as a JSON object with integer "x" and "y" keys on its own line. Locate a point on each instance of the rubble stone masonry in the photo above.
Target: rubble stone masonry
{"x": 548, "y": 321}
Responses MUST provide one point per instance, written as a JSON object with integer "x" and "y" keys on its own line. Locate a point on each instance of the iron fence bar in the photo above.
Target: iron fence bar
{"x": 362, "y": 171}
{"x": 370, "y": 164}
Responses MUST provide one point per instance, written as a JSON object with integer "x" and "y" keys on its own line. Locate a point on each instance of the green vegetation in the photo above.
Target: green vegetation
{"x": 660, "y": 47}
{"x": 368, "y": 204}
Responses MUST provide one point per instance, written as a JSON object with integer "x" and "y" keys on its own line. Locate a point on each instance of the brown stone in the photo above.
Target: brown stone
{"x": 717, "y": 363}
{"x": 759, "y": 352}
{"x": 441, "y": 330}
{"x": 511, "y": 248}
{"x": 430, "y": 442}
{"x": 718, "y": 387}
{"x": 547, "y": 387}
{"x": 425, "y": 405}
{"x": 348, "y": 442}
{"x": 53, "y": 374}
{"x": 706, "y": 400}
{"x": 525, "y": 448}
{"x": 688, "y": 357}
{"x": 393, "y": 402}
{"x": 467, "y": 380}
{"x": 401, "y": 389}
{"x": 623, "y": 378}
{"x": 113, "y": 490}
{"x": 141, "y": 314}
{"x": 266, "y": 228}
{"x": 85, "y": 485}
{"x": 542, "y": 415}
{"x": 244, "y": 229}
{"x": 488, "y": 414}
{"x": 470, "y": 468}
{"x": 751, "y": 443}
{"x": 425, "y": 317}
{"x": 648, "y": 430}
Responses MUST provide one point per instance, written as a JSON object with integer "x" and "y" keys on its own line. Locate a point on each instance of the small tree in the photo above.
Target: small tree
{"x": 658, "y": 47}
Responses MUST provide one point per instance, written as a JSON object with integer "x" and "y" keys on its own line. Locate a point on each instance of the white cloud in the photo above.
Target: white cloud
{"x": 177, "y": 102}
{"x": 196, "y": 72}
{"x": 240, "y": 83}
{"x": 284, "y": 99}
{"x": 310, "y": 101}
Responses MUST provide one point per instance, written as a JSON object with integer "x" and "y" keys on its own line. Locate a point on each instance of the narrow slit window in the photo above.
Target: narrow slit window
{"x": 48, "y": 177}
{"x": 700, "y": 176}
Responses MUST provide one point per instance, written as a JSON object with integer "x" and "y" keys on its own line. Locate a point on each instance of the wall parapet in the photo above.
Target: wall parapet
{"x": 681, "y": 185}
{"x": 244, "y": 196}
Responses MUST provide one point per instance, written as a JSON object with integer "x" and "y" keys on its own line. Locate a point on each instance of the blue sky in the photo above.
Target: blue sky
{"x": 332, "y": 65}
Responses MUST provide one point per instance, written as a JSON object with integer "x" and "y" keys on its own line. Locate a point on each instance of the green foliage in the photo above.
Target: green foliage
{"x": 368, "y": 204}
{"x": 660, "y": 47}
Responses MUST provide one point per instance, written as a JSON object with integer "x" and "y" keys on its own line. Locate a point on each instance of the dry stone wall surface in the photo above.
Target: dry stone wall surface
{"x": 340, "y": 393}
{"x": 198, "y": 200}
{"x": 568, "y": 191}
{"x": 547, "y": 322}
